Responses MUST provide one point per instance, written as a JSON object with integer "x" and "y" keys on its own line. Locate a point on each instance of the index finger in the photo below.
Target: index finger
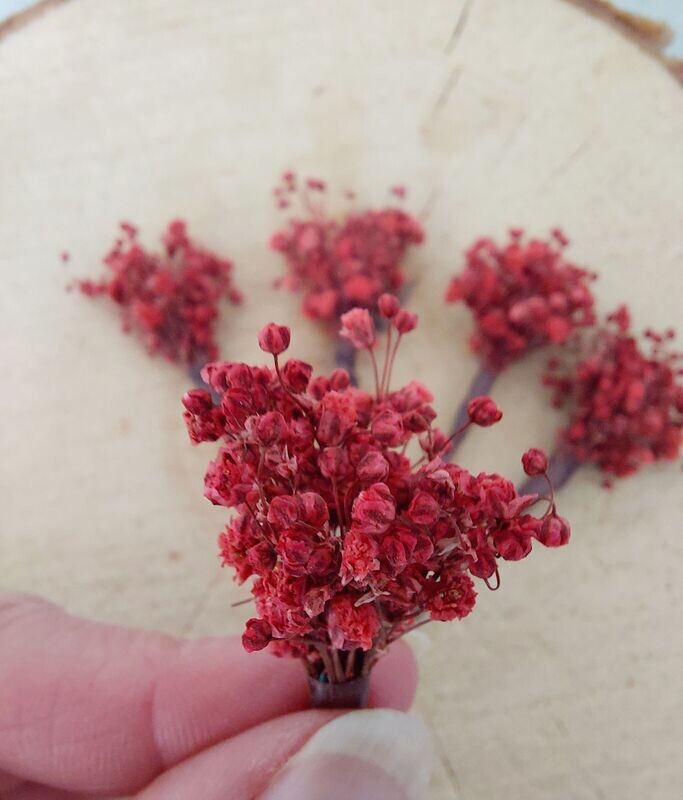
{"x": 102, "y": 709}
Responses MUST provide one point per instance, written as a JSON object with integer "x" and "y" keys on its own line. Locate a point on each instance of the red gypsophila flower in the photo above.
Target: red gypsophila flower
{"x": 524, "y": 295}
{"x": 349, "y": 543}
{"x": 341, "y": 264}
{"x": 171, "y": 299}
{"x": 626, "y": 403}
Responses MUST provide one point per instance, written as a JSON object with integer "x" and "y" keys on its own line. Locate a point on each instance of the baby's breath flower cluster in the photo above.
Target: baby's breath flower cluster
{"x": 346, "y": 263}
{"x": 625, "y": 400}
{"x": 350, "y": 543}
{"x": 170, "y": 300}
{"x": 523, "y": 295}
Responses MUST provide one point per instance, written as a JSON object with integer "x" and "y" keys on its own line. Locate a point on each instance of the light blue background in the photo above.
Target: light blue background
{"x": 670, "y": 11}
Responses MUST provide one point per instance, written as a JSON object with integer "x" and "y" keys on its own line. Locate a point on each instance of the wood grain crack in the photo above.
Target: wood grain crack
{"x": 564, "y": 165}
{"x": 448, "y": 769}
{"x": 429, "y": 204}
{"x": 446, "y": 90}
{"x": 460, "y": 25}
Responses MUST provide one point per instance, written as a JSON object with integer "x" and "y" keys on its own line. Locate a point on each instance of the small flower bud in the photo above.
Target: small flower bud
{"x": 389, "y": 305}
{"x": 257, "y": 634}
{"x": 334, "y": 462}
{"x": 387, "y": 427}
{"x": 358, "y": 328}
{"x": 555, "y": 531}
{"x": 405, "y": 321}
{"x": 313, "y": 509}
{"x": 513, "y": 545}
{"x": 283, "y": 511}
{"x": 339, "y": 380}
{"x": 270, "y": 428}
{"x": 197, "y": 401}
{"x": 372, "y": 468}
{"x": 274, "y": 338}
{"x": 423, "y": 509}
{"x": 296, "y": 375}
{"x": 374, "y": 509}
{"x": 535, "y": 461}
{"x": 483, "y": 411}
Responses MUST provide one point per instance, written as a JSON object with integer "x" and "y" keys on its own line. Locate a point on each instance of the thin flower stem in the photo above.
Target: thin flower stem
{"x": 350, "y": 663}
{"x": 497, "y": 586}
{"x": 327, "y": 661}
{"x": 238, "y": 603}
{"x": 392, "y": 359}
{"x": 340, "y": 516}
{"x": 387, "y": 352}
{"x": 369, "y": 659}
{"x": 481, "y": 384}
{"x": 417, "y": 625}
{"x": 336, "y": 661}
{"x": 375, "y": 371}
{"x": 448, "y": 448}
{"x": 562, "y": 464}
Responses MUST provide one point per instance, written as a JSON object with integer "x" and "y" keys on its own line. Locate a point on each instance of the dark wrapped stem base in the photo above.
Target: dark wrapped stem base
{"x": 345, "y": 357}
{"x": 349, "y": 694}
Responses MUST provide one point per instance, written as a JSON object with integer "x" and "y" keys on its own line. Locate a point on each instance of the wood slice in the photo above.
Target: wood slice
{"x": 565, "y": 683}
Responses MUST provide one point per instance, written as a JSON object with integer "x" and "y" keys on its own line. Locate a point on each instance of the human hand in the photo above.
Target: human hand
{"x": 92, "y": 711}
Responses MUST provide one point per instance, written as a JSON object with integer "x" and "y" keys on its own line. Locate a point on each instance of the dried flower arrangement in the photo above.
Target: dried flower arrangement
{"x": 350, "y": 543}
{"x": 341, "y": 264}
{"x": 625, "y": 401}
{"x": 523, "y": 295}
{"x": 170, "y": 300}
{"x": 349, "y": 518}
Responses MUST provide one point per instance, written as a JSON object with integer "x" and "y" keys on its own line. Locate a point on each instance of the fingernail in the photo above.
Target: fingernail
{"x": 373, "y": 754}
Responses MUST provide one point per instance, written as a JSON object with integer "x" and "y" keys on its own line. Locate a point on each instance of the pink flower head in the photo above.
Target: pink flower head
{"x": 554, "y": 531}
{"x": 358, "y": 328}
{"x": 171, "y": 300}
{"x": 341, "y": 264}
{"x": 625, "y": 399}
{"x": 389, "y": 305}
{"x": 274, "y": 338}
{"x": 405, "y": 321}
{"x": 523, "y": 295}
{"x": 535, "y": 461}
{"x": 256, "y": 636}
{"x": 352, "y": 626}
{"x": 374, "y": 509}
{"x": 348, "y": 542}
{"x": 483, "y": 411}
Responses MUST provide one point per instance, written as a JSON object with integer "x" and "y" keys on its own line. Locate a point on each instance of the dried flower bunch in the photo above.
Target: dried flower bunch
{"x": 625, "y": 401}
{"x": 350, "y": 544}
{"x": 341, "y": 264}
{"x": 523, "y": 295}
{"x": 171, "y": 300}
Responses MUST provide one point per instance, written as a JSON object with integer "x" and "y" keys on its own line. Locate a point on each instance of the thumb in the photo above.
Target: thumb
{"x": 368, "y": 755}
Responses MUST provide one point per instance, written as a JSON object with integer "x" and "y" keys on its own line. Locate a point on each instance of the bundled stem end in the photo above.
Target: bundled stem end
{"x": 348, "y": 694}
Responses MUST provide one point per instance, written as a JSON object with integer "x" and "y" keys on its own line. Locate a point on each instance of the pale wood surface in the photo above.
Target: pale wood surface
{"x": 567, "y": 683}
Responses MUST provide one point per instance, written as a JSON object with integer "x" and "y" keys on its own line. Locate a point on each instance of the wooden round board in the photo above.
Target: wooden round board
{"x": 566, "y": 683}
